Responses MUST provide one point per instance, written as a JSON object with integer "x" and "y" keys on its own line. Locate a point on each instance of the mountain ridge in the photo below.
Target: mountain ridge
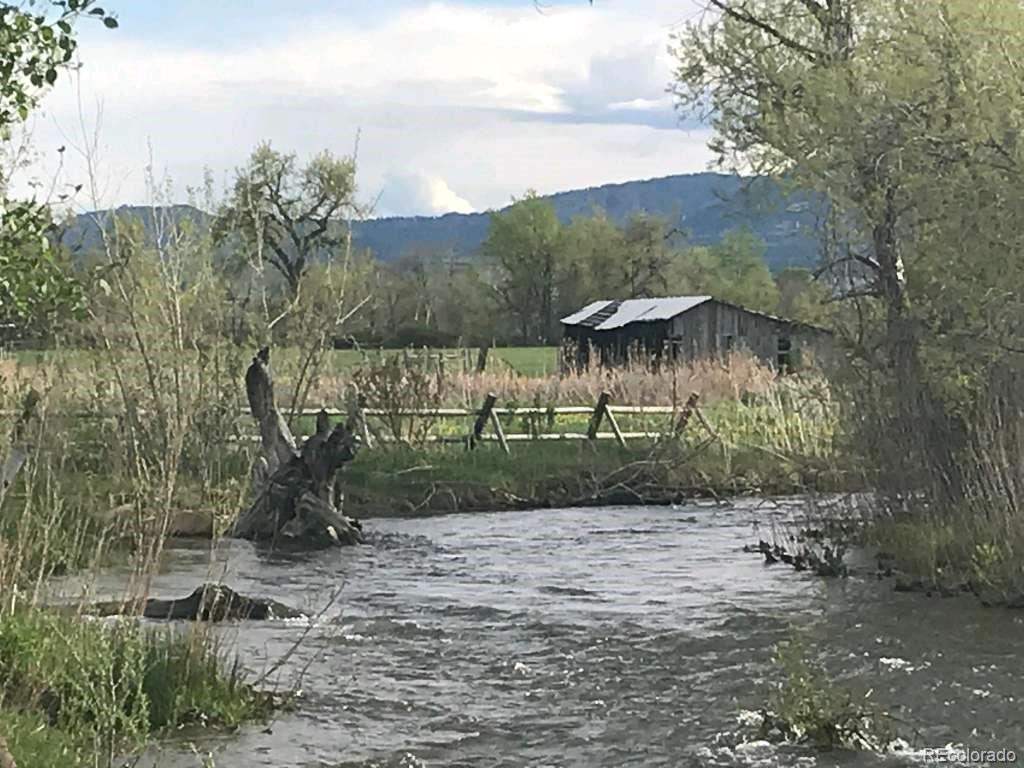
{"x": 704, "y": 205}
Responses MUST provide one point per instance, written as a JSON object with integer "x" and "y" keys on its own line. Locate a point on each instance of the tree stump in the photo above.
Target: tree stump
{"x": 295, "y": 500}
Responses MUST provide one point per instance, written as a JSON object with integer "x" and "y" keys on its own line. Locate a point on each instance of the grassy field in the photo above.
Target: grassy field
{"x": 432, "y": 480}
{"x": 525, "y": 361}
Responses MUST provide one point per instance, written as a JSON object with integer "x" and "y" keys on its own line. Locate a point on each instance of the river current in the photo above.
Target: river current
{"x": 588, "y": 637}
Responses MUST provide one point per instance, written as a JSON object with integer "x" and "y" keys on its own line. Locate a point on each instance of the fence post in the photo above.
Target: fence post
{"x": 615, "y": 427}
{"x": 481, "y": 419}
{"x": 357, "y": 419}
{"x": 686, "y": 414}
{"x": 496, "y": 424}
{"x": 599, "y": 411}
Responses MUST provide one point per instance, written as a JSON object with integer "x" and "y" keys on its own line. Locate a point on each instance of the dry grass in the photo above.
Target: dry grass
{"x": 737, "y": 376}
{"x": 74, "y": 383}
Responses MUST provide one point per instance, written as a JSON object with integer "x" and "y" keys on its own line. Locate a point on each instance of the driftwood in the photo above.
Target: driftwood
{"x": 829, "y": 563}
{"x": 295, "y": 496}
{"x": 209, "y": 602}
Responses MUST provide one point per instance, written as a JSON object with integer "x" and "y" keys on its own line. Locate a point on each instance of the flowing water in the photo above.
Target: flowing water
{"x": 590, "y": 637}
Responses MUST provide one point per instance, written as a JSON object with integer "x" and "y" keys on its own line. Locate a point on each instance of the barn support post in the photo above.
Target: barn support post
{"x": 599, "y": 411}
{"x": 486, "y": 411}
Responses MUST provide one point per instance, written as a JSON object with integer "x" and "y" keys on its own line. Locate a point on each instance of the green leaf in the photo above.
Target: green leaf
{"x": 110, "y": 22}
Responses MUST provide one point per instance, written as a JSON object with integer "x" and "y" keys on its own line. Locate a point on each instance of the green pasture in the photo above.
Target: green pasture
{"x": 525, "y": 361}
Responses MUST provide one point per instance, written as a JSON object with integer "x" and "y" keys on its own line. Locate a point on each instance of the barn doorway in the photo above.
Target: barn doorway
{"x": 784, "y": 355}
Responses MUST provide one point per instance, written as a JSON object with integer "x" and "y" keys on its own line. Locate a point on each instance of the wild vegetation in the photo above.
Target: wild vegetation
{"x": 905, "y": 117}
{"x": 888, "y": 110}
{"x": 807, "y": 707}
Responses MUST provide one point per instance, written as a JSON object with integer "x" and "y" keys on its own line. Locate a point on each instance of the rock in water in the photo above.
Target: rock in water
{"x": 294, "y": 505}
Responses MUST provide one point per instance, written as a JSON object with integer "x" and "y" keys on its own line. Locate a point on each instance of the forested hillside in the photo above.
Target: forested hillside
{"x": 704, "y": 206}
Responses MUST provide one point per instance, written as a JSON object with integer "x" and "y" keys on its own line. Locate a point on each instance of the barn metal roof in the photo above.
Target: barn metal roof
{"x": 609, "y": 315}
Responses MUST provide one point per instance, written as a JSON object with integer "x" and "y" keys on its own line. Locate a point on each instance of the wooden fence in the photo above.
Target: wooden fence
{"x": 490, "y": 414}
{"x": 372, "y": 423}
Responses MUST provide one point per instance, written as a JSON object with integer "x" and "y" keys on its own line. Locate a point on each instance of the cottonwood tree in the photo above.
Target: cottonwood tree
{"x": 906, "y": 117}
{"x": 648, "y": 253}
{"x": 741, "y": 273}
{"x": 525, "y": 243}
{"x": 595, "y": 246}
{"x": 870, "y": 104}
{"x": 37, "y": 42}
{"x": 287, "y": 214}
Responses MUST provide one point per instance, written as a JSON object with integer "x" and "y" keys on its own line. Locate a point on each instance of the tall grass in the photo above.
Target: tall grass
{"x": 73, "y": 690}
{"x": 949, "y": 478}
{"x": 632, "y": 383}
{"x": 122, "y": 438}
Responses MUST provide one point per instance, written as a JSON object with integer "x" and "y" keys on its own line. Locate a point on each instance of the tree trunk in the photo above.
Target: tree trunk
{"x": 295, "y": 503}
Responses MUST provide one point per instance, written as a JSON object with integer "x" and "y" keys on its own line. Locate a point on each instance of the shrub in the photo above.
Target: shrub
{"x": 807, "y": 707}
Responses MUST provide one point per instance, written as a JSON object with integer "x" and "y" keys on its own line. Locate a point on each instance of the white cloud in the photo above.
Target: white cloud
{"x": 419, "y": 194}
{"x": 485, "y": 101}
{"x": 640, "y": 104}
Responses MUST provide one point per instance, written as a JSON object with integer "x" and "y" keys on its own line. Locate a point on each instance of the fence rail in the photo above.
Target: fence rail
{"x": 371, "y": 422}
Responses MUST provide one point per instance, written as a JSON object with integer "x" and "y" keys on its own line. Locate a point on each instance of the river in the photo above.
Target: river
{"x": 589, "y": 637}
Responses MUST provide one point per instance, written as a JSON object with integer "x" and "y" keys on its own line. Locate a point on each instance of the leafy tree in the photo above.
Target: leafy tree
{"x": 287, "y": 215}
{"x": 801, "y": 297}
{"x": 525, "y": 243}
{"x": 594, "y": 247}
{"x": 872, "y": 104}
{"x": 35, "y": 283}
{"x": 907, "y": 117}
{"x": 648, "y": 256}
{"x": 36, "y": 43}
{"x": 741, "y": 273}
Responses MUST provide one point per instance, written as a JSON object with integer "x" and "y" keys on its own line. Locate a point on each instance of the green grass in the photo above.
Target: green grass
{"x": 529, "y": 361}
{"x": 73, "y": 690}
{"x": 526, "y": 361}
{"x": 436, "y": 480}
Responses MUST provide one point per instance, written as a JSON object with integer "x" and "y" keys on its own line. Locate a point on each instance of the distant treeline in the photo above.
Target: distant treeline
{"x": 535, "y": 270}
{"x": 263, "y": 256}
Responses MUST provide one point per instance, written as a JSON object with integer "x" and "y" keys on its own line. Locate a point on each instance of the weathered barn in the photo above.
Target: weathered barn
{"x": 687, "y": 328}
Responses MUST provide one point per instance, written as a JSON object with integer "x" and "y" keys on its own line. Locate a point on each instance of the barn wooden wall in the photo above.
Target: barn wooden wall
{"x": 705, "y": 331}
{"x": 709, "y": 330}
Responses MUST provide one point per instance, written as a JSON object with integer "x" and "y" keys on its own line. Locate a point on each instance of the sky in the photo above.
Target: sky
{"x": 457, "y": 105}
